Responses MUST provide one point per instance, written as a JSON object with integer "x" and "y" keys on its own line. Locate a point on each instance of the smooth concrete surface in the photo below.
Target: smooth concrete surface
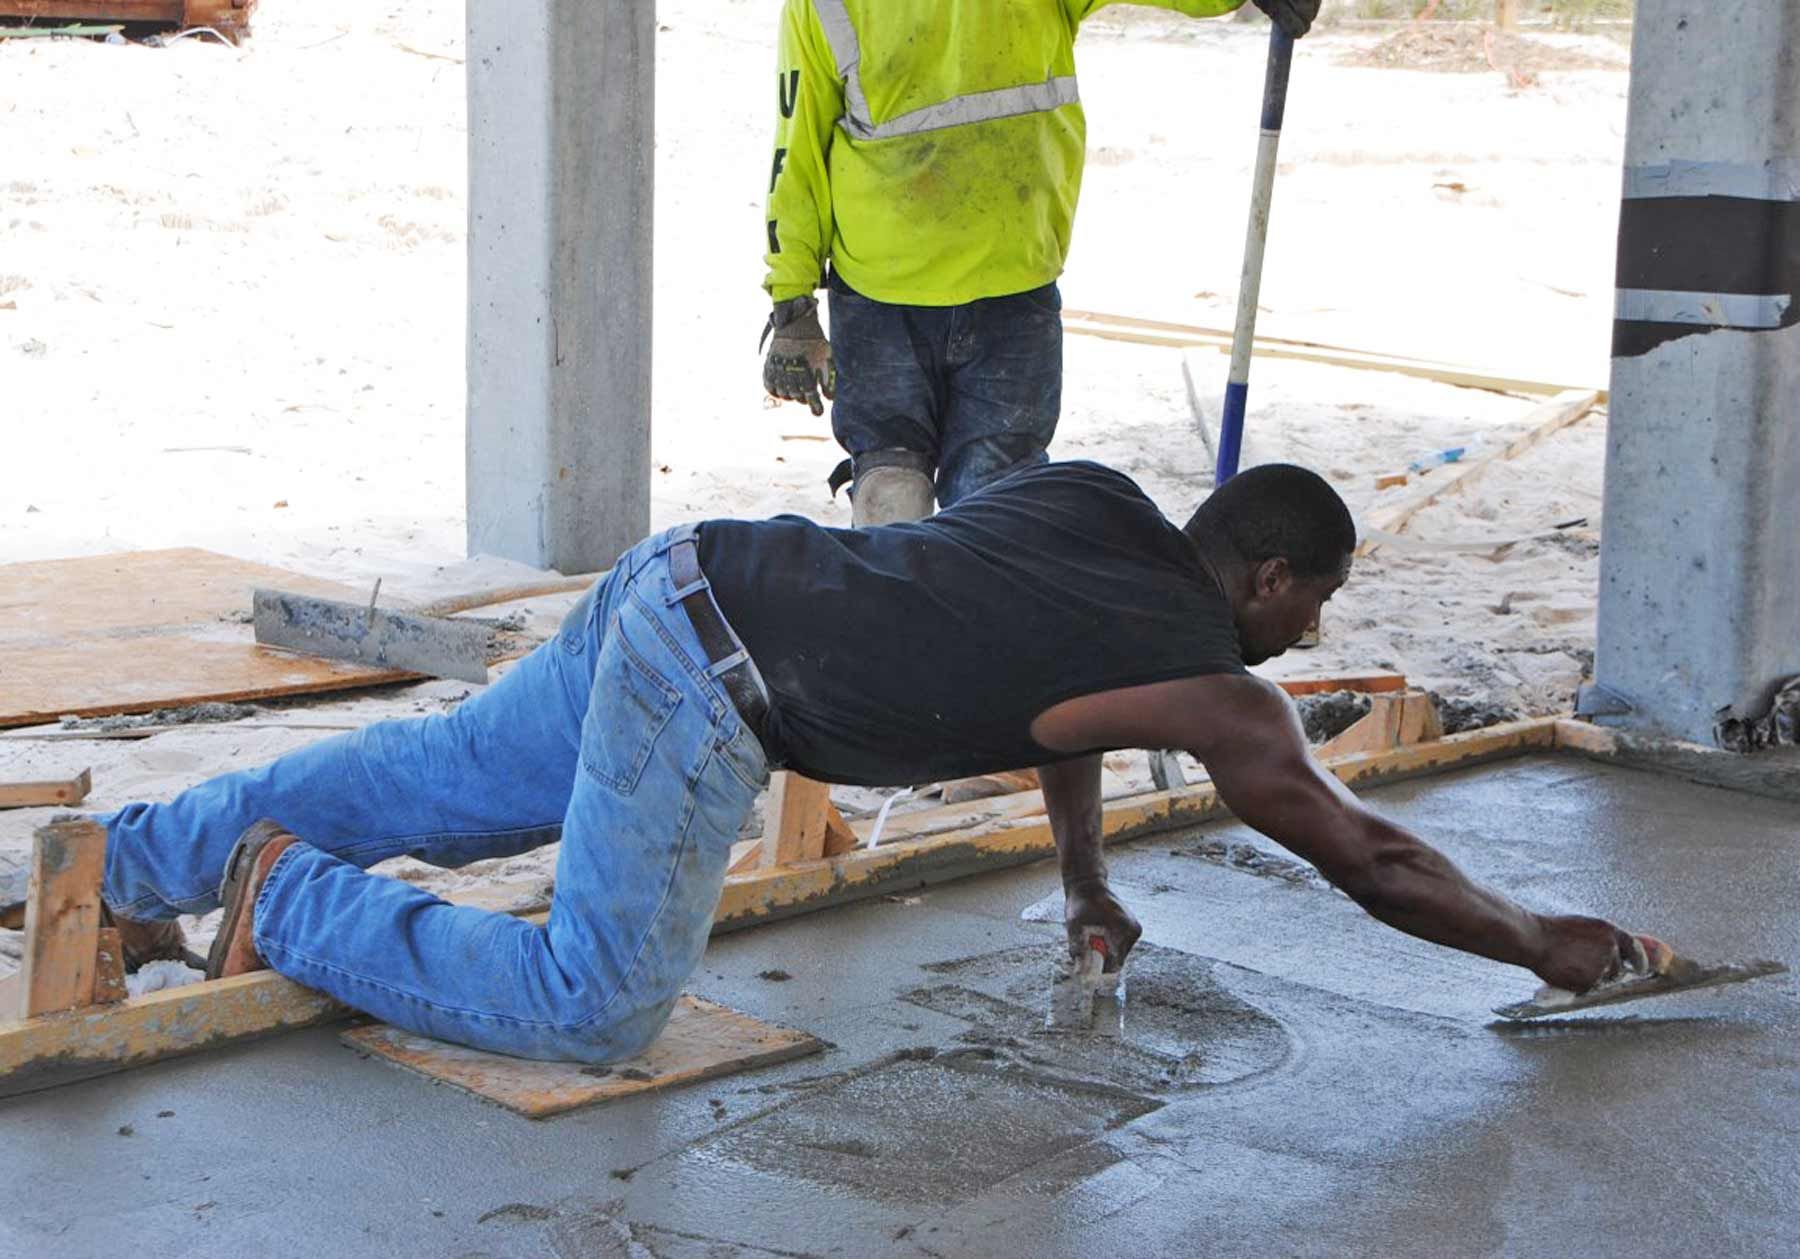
{"x": 561, "y": 149}
{"x": 1295, "y": 1080}
{"x": 1700, "y": 559}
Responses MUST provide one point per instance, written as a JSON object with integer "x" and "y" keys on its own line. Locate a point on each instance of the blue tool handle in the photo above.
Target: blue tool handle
{"x": 1262, "y": 188}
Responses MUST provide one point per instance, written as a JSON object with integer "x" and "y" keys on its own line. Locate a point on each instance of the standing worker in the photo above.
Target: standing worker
{"x": 930, "y": 151}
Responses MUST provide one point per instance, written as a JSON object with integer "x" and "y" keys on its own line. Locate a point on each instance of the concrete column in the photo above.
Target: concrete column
{"x": 1700, "y": 563}
{"x": 561, "y": 106}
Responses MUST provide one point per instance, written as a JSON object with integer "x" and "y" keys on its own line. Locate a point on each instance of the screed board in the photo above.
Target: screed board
{"x": 140, "y": 630}
{"x": 703, "y": 1040}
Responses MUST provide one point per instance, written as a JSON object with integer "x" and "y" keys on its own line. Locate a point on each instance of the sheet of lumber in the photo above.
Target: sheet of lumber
{"x": 52, "y": 1050}
{"x": 141, "y": 630}
{"x": 794, "y": 820}
{"x": 58, "y": 1048}
{"x": 1113, "y": 328}
{"x": 226, "y": 15}
{"x": 703, "y": 1040}
{"x": 1551, "y": 417}
{"x": 38, "y": 794}
{"x": 62, "y": 917}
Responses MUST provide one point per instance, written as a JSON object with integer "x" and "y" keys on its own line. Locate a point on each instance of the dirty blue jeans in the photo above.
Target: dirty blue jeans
{"x": 616, "y": 735}
{"x": 975, "y": 388}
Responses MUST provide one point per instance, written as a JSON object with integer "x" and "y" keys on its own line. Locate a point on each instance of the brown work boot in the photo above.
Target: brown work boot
{"x": 147, "y": 940}
{"x": 252, "y": 857}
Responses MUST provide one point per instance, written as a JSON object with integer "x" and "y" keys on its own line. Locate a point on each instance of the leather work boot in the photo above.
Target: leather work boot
{"x": 252, "y": 857}
{"x": 146, "y": 940}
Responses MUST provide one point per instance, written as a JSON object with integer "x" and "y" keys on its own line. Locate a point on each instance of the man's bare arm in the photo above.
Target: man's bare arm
{"x": 1257, "y": 753}
{"x": 1072, "y": 800}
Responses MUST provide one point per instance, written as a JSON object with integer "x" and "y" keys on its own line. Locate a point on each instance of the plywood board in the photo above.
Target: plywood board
{"x": 703, "y": 1040}
{"x": 141, "y": 630}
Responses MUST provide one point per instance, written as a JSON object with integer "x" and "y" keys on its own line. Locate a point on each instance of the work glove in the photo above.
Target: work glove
{"x": 1293, "y": 16}
{"x": 1090, "y": 912}
{"x": 799, "y": 366}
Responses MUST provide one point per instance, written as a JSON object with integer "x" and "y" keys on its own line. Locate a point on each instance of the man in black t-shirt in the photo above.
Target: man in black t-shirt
{"x": 1061, "y": 616}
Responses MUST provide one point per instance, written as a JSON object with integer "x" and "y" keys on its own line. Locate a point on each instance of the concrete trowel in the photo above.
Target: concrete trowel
{"x": 1086, "y": 998}
{"x": 1655, "y": 970}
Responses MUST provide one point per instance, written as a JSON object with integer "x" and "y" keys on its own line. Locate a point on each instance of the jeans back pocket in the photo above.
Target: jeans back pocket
{"x": 630, "y": 705}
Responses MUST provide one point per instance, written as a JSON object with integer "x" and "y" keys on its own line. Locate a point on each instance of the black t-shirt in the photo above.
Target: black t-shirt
{"x": 918, "y": 652}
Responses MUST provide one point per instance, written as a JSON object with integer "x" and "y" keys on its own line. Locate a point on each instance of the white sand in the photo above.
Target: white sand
{"x": 232, "y": 291}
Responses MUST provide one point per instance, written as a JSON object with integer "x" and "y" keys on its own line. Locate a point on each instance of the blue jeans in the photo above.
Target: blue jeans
{"x": 975, "y": 388}
{"x": 616, "y": 735}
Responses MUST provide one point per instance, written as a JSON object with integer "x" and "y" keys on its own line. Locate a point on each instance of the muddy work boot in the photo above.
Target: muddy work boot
{"x": 145, "y": 940}
{"x": 248, "y": 866}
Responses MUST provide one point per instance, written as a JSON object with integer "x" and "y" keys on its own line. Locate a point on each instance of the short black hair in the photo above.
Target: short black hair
{"x": 1278, "y": 510}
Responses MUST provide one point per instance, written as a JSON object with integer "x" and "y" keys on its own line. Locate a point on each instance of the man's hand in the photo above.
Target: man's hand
{"x": 1293, "y": 16}
{"x": 799, "y": 367}
{"x": 1580, "y": 952}
{"x": 1090, "y": 909}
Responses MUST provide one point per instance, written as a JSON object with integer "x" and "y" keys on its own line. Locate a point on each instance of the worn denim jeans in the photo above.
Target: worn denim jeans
{"x": 616, "y": 735}
{"x": 976, "y": 388}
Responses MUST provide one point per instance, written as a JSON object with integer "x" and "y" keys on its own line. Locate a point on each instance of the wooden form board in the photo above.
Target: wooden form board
{"x": 1552, "y": 417}
{"x": 1187, "y": 336}
{"x": 140, "y": 630}
{"x": 41, "y": 1052}
{"x": 703, "y": 1040}
{"x": 224, "y": 15}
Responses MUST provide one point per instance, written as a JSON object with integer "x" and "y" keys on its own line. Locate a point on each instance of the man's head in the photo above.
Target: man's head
{"x": 1281, "y": 540}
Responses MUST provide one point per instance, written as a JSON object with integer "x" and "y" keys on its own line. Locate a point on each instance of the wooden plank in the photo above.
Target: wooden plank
{"x": 1392, "y": 721}
{"x": 65, "y": 791}
{"x": 767, "y": 895}
{"x": 62, "y": 917}
{"x": 149, "y": 629}
{"x": 1182, "y": 336}
{"x": 1377, "y": 682}
{"x": 54, "y": 1049}
{"x": 57, "y": 1048}
{"x": 794, "y": 820}
{"x": 703, "y": 1041}
{"x": 1552, "y": 417}
{"x": 225, "y": 15}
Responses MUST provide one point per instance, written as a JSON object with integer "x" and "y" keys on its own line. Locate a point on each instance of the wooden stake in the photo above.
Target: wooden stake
{"x": 109, "y": 968}
{"x": 62, "y": 916}
{"x": 794, "y": 822}
{"x": 1392, "y": 721}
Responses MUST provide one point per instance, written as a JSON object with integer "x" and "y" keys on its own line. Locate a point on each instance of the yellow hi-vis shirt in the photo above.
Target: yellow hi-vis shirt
{"x": 930, "y": 149}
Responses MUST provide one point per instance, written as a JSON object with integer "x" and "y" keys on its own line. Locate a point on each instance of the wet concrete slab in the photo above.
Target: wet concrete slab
{"x": 1296, "y": 1080}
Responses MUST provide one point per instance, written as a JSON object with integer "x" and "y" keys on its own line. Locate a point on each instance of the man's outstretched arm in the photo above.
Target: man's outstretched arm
{"x": 1072, "y": 800}
{"x": 1257, "y": 754}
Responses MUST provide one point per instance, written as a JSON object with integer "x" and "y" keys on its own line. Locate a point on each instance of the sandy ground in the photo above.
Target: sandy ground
{"x": 232, "y": 292}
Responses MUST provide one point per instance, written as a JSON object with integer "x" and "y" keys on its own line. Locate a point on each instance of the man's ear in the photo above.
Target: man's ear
{"x": 1272, "y": 577}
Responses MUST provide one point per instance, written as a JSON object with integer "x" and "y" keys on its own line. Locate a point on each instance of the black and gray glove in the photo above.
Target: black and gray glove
{"x": 799, "y": 367}
{"x": 1293, "y": 16}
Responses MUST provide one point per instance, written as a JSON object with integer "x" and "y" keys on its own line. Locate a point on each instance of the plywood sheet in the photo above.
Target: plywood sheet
{"x": 702, "y": 1041}
{"x": 140, "y": 630}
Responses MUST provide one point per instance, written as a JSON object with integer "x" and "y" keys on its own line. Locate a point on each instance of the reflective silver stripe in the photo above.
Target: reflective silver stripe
{"x": 1777, "y": 179}
{"x": 1722, "y": 310}
{"x": 1002, "y": 102}
{"x": 958, "y": 111}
